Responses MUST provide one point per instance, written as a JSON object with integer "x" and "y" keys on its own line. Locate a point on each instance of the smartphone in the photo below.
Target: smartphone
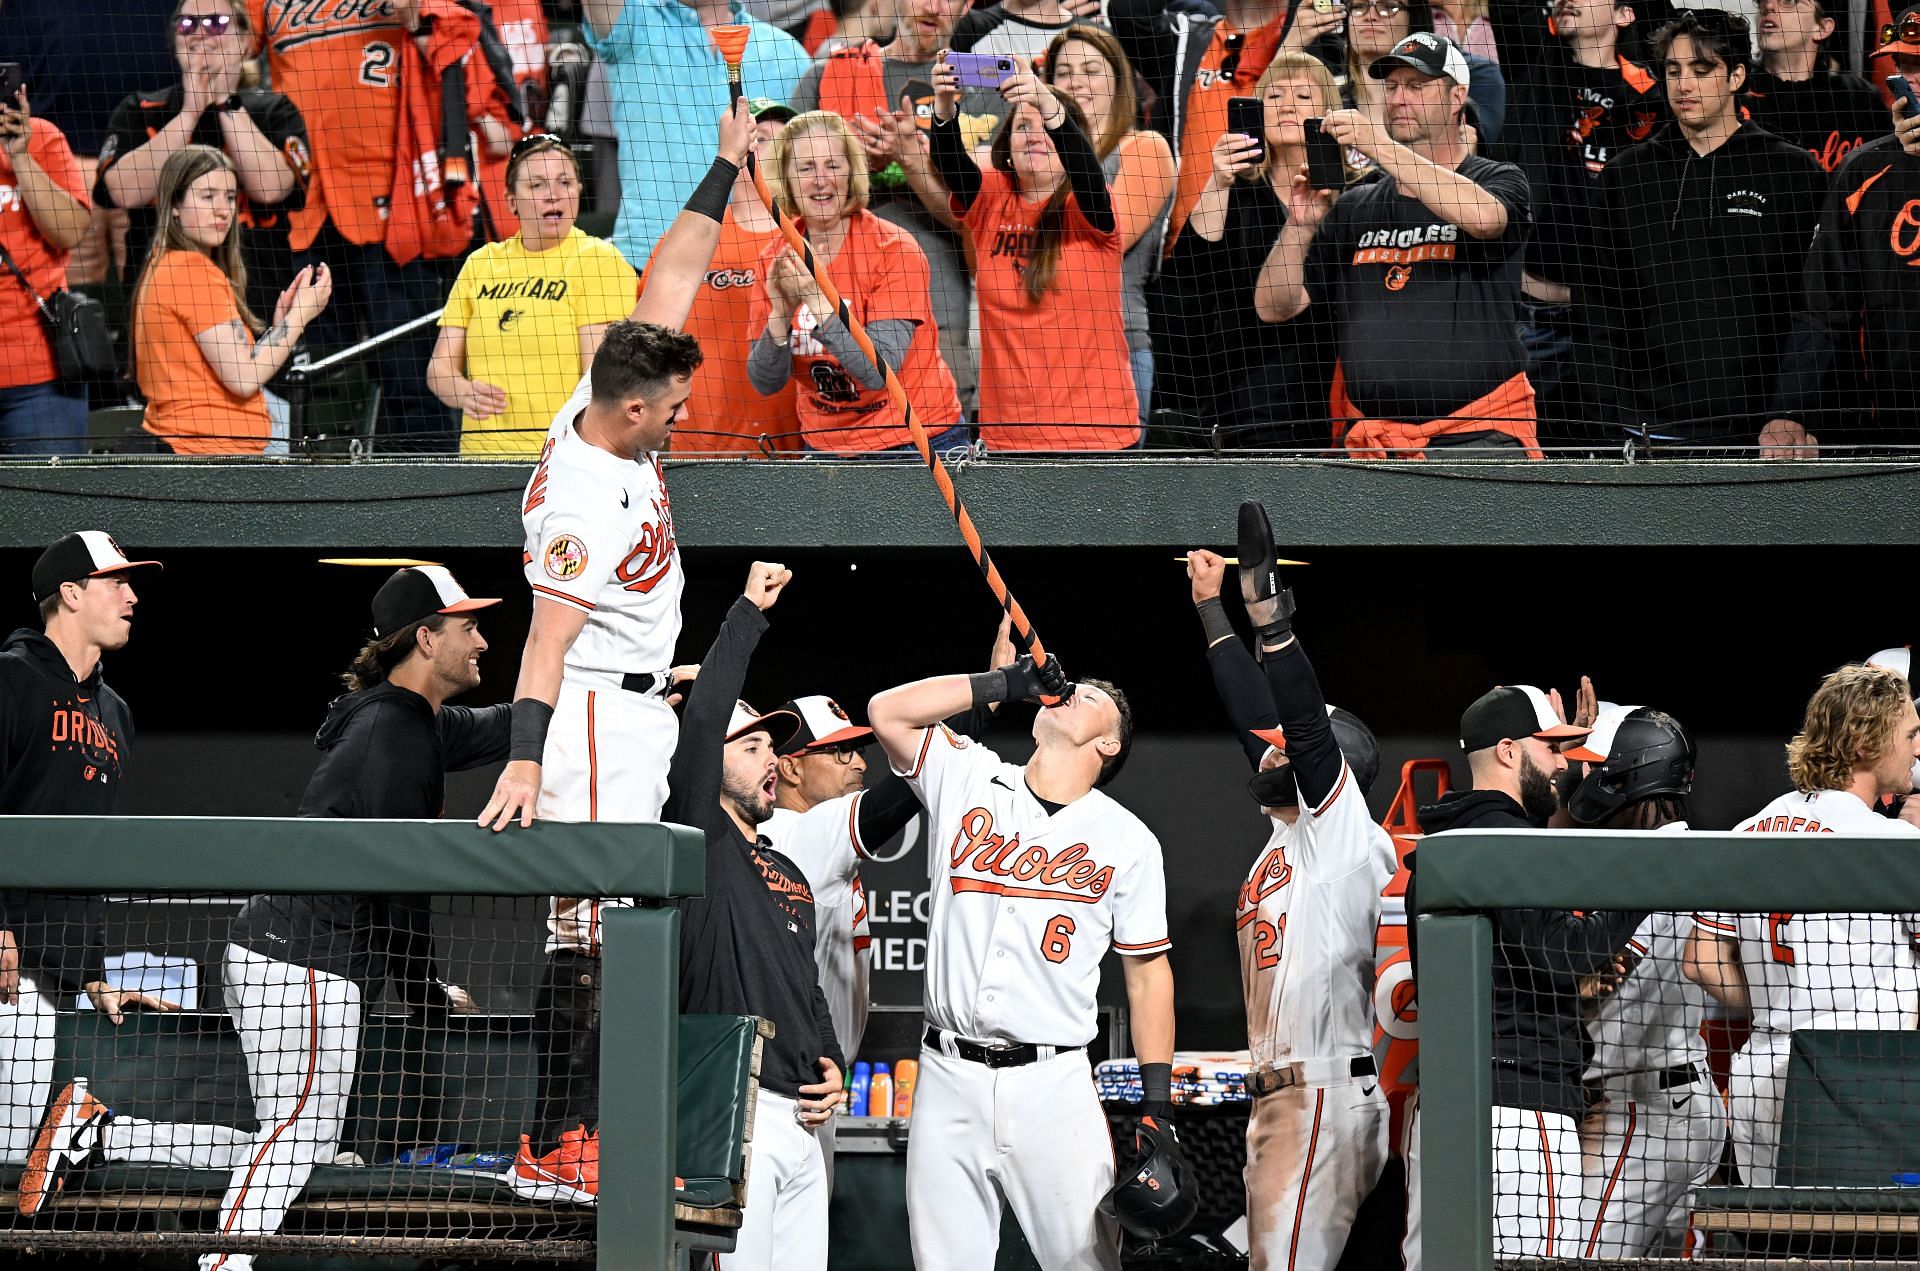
{"x": 9, "y": 82}
{"x": 982, "y": 70}
{"x": 1324, "y": 169}
{"x": 1248, "y": 116}
{"x": 1900, "y": 88}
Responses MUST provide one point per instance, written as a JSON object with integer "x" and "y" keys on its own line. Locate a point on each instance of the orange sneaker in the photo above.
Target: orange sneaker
{"x": 568, "y": 1174}
{"x": 69, "y": 1140}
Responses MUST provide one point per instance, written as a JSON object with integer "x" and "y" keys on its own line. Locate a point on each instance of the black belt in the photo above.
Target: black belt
{"x": 1663, "y": 1079}
{"x": 647, "y": 683}
{"x": 1009, "y": 1055}
{"x": 1266, "y": 1081}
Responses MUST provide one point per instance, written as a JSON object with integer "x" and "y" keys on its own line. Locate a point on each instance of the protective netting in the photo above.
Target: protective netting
{"x": 1582, "y": 231}
{"x": 292, "y": 1073}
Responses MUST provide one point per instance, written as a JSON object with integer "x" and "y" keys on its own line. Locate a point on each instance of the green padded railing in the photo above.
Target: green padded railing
{"x": 640, "y": 947}
{"x": 1463, "y": 875}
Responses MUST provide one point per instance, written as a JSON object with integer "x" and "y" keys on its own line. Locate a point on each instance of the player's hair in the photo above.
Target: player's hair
{"x": 780, "y": 154}
{"x": 187, "y": 165}
{"x": 249, "y": 69}
{"x": 1050, "y": 233}
{"x": 1110, "y": 766}
{"x": 1292, "y": 64}
{"x": 377, "y": 657}
{"x": 546, "y": 145}
{"x": 51, "y": 605}
{"x": 636, "y": 359}
{"x": 1126, "y": 101}
{"x": 1649, "y": 813}
{"x": 1850, "y": 722}
{"x": 1728, "y": 37}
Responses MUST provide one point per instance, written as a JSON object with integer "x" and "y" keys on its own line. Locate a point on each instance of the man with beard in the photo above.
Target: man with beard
{"x": 1512, "y": 736}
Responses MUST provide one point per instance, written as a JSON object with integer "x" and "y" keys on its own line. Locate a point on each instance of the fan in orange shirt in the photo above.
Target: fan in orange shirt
{"x": 817, "y": 171}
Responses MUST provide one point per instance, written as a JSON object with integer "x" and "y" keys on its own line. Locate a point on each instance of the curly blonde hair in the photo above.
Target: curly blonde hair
{"x": 1850, "y": 723}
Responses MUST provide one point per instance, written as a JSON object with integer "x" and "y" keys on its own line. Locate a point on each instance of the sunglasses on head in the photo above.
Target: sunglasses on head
{"x": 1714, "y": 21}
{"x": 206, "y": 23}
{"x": 1905, "y": 31}
{"x": 1230, "y": 64}
{"x": 530, "y": 141}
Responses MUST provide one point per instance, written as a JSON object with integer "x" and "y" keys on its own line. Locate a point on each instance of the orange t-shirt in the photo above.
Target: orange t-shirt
{"x": 25, "y": 355}
{"x": 340, "y": 64}
{"x": 1053, "y": 375}
{"x": 1206, "y": 113}
{"x": 882, "y": 272}
{"x": 725, "y": 415}
{"x": 183, "y": 295}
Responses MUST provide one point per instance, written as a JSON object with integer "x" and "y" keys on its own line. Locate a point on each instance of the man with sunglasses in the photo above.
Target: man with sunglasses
{"x": 1705, "y": 232}
{"x": 1795, "y": 93}
{"x": 1860, "y": 284}
{"x": 215, "y": 103}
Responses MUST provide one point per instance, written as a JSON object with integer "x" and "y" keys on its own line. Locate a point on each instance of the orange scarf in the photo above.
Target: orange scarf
{"x": 426, "y": 216}
{"x": 1507, "y": 409}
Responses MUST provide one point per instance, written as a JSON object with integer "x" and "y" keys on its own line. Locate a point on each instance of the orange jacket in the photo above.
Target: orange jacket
{"x": 427, "y": 215}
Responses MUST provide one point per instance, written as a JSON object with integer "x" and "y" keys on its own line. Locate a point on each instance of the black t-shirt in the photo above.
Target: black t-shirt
{"x": 1426, "y": 312}
{"x": 263, "y": 236}
{"x": 1830, "y": 116}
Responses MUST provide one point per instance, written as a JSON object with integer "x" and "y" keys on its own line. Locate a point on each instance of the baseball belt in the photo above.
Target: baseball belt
{"x": 992, "y": 1054}
{"x": 647, "y": 683}
{"x": 1310, "y": 1072}
{"x": 1654, "y": 1080}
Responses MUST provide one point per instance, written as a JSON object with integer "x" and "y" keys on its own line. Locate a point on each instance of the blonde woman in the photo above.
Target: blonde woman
{"x": 199, "y": 354}
{"x": 818, "y": 173}
{"x": 1266, "y": 385}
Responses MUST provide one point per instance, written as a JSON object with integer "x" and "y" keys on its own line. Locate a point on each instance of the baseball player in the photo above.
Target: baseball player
{"x": 1307, "y": 920}
{"x": 1655, "y": 1127}
{"x": 1037, "y": 874}
{"x": 66, "y": 741}
{"x": 299, "y": 969}
{"x": 1858, "y": 744}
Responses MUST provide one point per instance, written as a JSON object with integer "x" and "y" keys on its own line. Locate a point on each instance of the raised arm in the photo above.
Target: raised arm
{"x": 681, "y": 257}
{"x": 898, "y": 715}
{"x": 693, "y": 780}
{"x": 945, "y": 146}
{"x": 1236, "y": 676}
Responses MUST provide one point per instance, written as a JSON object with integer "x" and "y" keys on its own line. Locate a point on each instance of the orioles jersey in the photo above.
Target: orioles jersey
{"x": 1026, "y": 902}
{"x": 1802, "y": 966}
{"x": 599, "y": 537}
{"x": 824, "y": 841}
{"x": 1307, "y": 920}
{"x": 340, "y": 63}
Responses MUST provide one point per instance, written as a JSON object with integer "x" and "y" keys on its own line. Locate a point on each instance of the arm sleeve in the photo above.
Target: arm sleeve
{"x": 1561, "y": 942}
{"x": 693, "y": 781}
{"x": 823, "y": 1025}
{"x": 1089, "y": 183}
{"x": 890, "y": 337}
{"x": 470, "y": 738}
{"x": 769, "y": 366}
{"x": 1243, "y": 691}
{"x": 1311, "y": 747}
{"x": 883, "y": 810}
{"x": 124, "y": 135}
{"x": 956, "y": 167}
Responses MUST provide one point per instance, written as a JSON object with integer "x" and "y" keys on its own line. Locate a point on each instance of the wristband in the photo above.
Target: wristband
{"x": 991, "y": 687}
{"x": 1279, "y": 628}
{"x": 1213, "y": 620}
{"x": 715, "y": 189}
{"x": 528, "y": 739}
{"x": 1156, "y": 1083}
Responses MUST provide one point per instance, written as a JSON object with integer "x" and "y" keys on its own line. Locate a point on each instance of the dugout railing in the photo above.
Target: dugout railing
{"x": 640, "y": 946}
{"x": 1464, "y": 875}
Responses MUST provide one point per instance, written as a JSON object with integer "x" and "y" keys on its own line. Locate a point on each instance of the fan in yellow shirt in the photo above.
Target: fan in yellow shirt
{"x": 527, "y": 314}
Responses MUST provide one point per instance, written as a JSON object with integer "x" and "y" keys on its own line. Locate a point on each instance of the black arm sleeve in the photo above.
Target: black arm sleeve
{"x": 472, "y": 738}
{"x": 1084, "y": 175}
{"x": 890, "y": 802}
{"x": 1244, "y": 692}
{"x": 957, "y": 170}
{"x": 693, "y": 781}
{"x": 823, "y": 1026}
{"x": 1311, "y": 747}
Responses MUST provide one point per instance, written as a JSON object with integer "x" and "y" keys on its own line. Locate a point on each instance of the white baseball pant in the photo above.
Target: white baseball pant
{"x": 784, "y": 1224}
{"x": 607, "y": 756}
{"x": 300, "y": 1029}
{"x": 1313, "y": 1155}
{"x": 1032, "y": 1137}
{"x": 1756, "y": 1090}
{"x": 1536, "y": 1183}
{"x": 1410, "y": 1156}
{"x": 1644, "y": 1150}
{"x": 26, "y": 1068}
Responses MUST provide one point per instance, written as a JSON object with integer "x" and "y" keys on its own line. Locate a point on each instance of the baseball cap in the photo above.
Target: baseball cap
{"x": 1512, "y": 711}
{"x": 1598, "y": 744}
{"x": 822, "y": 724}
{"x": 767, "y": 110}
{"x": 781, "y": 723}
{"x": 1902, "y": 35}
{"x": 417, "y": 592}
{"x": 82, "y": 554}
{"x": 1430, "y": 54}
{"x": 1899, "y": 661}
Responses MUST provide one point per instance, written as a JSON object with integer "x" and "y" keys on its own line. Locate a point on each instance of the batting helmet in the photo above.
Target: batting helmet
{"x": 1640, "y": 752}
{"x": 1156, "y": 1195}
{"x": 1274, "y": 788}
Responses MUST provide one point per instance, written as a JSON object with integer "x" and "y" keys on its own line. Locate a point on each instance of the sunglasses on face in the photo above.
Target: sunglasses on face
{"x": 206, "y": 23}
{"x": 1905, "y": 31}
{"x": 1381, "y": 9}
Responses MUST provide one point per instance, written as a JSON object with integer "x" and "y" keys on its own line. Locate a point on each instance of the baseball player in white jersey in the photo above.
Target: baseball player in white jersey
{"x": 1307, "y": 921}
{"x": 1037, "y": 875}
{"x": 1655, "y": 1127}
{"x": 1807, "y": 970}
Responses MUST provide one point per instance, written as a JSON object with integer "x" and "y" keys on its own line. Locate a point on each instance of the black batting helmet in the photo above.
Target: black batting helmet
{"x": 1156, "y": 1194}
{"x": 1639, "y": 752}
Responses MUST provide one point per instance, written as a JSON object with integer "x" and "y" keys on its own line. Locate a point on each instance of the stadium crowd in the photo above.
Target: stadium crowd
{"x": 1484, "y": 226}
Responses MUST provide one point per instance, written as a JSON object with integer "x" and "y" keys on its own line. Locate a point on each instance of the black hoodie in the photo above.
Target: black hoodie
{"x": 1829, "y": 115}
{"x": 387, "y": 755}
{"x": 1539, "y": 955}
{"x": 1700, "y": 271}
{"x": 64, "y": 745}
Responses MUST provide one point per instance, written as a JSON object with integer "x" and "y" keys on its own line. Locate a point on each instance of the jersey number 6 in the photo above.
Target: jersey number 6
{"x": 1057, "y": 941}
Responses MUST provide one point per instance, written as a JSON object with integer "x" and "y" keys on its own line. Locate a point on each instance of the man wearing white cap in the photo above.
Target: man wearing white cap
{"x": 65, "y": 746}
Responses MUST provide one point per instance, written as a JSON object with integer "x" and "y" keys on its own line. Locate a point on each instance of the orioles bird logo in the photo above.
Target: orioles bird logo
{"x": 508, "y": 317}
{"x": 1398, "y": 277}
{"x": 834, "y": 708}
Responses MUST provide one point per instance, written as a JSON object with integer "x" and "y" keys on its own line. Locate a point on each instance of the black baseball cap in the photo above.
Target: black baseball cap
{"x": 417, "y": 592}
{"x": 83, "y": 554}
{"x": 1430, "y": 54}
{"x": 823, "y": 725}
{"x": 1511, "y": 712}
